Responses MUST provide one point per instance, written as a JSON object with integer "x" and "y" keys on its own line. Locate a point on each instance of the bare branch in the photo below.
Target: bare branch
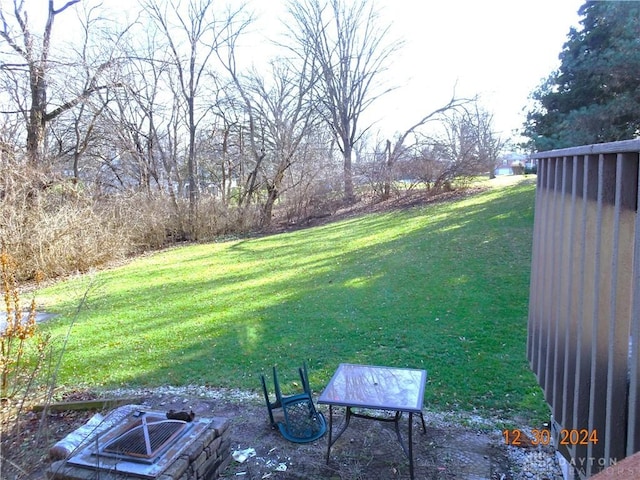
{"x": 77, "y": 100}
{"x": 4, "y": 33}
{"x": 452, "y": 104}
{"x": 14, "y": 66}
{"x": 64, "y": 7}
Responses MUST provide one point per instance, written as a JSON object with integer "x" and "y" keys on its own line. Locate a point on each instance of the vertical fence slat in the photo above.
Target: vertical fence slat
{"x": 601, "y": 295}
{"x": 562, "y": 274}
{"x": 620, "y": 307}
{"x": 545, "y": 235}
{"x": 535, "y": 298}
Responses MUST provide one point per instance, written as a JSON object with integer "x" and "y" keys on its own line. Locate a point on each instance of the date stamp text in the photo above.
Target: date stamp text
{"x": 517, "y": 437}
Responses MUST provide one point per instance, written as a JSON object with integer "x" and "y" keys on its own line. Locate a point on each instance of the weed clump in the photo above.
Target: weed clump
{"x": 19, "y": 338}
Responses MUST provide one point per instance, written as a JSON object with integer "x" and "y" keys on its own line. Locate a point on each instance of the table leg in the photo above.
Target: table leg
{"x": 329, "y": 443}
{"x": 398, "y": 415}
{"x": 407, "y": 451}
{"x": 396, "y": 421}
{"x": 333, "y": 439}
{"x": 411, "y": 445}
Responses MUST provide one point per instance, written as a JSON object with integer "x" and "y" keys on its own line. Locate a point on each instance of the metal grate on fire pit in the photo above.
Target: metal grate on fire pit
{"x": 147, "y": 440}
{"x": 143, "y": 444}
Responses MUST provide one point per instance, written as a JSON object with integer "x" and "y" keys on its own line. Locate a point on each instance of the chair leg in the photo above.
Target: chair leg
{"x": 302, "y": 422}
{"x": 266, "y": 399}
{"x": 304, "y": 377}
{"x": 276, "y": 385}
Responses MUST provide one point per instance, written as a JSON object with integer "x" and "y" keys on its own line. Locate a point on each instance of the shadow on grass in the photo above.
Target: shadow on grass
{"x": 442, "y": 287}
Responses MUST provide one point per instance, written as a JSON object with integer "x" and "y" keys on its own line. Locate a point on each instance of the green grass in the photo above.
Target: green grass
{"x": 442, "y": 287}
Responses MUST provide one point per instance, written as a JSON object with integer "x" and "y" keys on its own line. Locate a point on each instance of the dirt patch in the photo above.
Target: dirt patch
{"x": 453, "y": 446}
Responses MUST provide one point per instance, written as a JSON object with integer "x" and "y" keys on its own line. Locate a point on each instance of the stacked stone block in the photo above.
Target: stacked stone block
{"x": 205, "y": 459}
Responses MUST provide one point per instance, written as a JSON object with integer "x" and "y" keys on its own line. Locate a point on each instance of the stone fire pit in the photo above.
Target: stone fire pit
{"x": 138, "y": 443}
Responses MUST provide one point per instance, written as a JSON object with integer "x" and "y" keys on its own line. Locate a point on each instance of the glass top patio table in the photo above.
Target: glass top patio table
{"x": 376, "y": 388}
{"x": 380, "y": 388}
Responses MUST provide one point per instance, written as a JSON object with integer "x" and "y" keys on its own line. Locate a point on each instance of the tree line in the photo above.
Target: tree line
{"x": 117, "y": 136}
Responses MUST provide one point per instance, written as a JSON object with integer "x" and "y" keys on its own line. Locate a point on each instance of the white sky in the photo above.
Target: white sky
{"x": 499, "y": 49}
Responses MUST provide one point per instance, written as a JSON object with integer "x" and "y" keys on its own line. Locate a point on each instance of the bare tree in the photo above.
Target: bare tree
{"x": 287, "y": 112}
{"x": 247, "y": 101}
{"x": 350, "y": 51}
{"x": 32, "y": 51}
{"x": 395, "y": 150}
{"x": 192, "y": 41}
{"x": 223, "y": 144}
{"x": 466, "y": 147}
{"x": 313, "y": 180}
{"x": 76, "y": 132}
{"x": 281, "y": 113}
{"x": 490, "y": 144}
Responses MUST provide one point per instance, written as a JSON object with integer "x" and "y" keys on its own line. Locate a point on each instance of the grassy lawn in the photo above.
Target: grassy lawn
{"x": 442, "y": 287}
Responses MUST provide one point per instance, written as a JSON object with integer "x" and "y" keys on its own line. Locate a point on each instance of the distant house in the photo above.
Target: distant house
{"x": 511, "y": 164}
{"x": 504, "y": 170}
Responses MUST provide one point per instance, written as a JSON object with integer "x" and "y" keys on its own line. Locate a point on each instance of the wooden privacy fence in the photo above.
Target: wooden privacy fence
{"x": 584, "y": 309}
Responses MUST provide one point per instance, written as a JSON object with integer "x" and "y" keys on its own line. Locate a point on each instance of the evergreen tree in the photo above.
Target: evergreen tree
{"x": 594, "y": 96}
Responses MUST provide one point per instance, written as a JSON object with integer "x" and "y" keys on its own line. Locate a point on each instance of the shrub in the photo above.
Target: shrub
{"x": 56, "y": 228}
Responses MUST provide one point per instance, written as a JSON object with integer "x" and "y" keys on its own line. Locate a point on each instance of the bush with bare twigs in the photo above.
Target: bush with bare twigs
{"x": 50, "y": 226}
{"x": 57, "y": 227}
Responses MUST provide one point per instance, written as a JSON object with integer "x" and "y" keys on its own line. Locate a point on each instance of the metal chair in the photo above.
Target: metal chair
{"x": 301, "y": 422}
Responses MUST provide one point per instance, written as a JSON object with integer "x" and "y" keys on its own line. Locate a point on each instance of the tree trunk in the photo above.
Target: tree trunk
{"x": 225, "y": 160}
{"x": 193, "y": 175}
{"x": 267, "y": 209}
{"x": 386, "y": 191}
{"x": 37, "y": 122}
{"x": 273, "y": 192}
{"x": 349, "y": 196}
